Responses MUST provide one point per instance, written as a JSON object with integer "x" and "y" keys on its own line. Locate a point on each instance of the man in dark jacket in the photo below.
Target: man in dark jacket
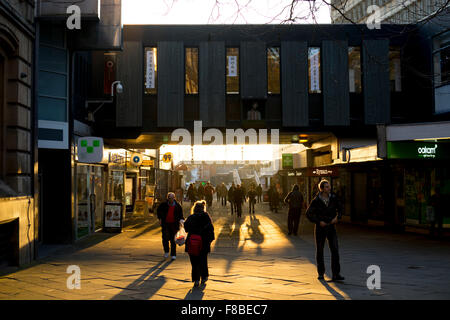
{"x": 251, "y": 200}
{"x": 170, "y": 216}
{"x": 295, "y": 201}
{"x": 201, "y": 192}
{"x": 325, "y": 210}
{"x": 191, "y": 193}
{"x": 231, "y": 198}
{"x": 259, "y": 192}
{"x": 239, "y": 198}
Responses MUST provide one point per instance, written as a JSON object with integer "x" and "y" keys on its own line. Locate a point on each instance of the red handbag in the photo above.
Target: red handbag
{"x": 195, "y": 244}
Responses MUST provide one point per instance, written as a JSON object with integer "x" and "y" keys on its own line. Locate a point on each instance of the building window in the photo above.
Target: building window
{"x": 354, "y": 69}
{"x": 232, "y": 71}
{"x": 314, "y": 70}
{"x": 395, "y": 74}
{"x": 191, "y": 71}
{"x": 151, "y": 70}
{"x": 441, "y": 61}
{"x": 273, "y": 70}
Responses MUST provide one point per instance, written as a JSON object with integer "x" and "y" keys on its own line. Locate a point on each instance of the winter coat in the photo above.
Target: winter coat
{"x": 318, "y": 211}
{"x": 294, "y": 199}
{"x": 163, "y": 210}
{"x": 200, "y": 223}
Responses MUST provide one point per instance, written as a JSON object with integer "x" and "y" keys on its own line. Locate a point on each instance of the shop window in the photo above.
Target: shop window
{"x": 441, "y": 61}
{"x": 314, "y": 70}
{"x": 354, "y": 69}
{"x": 273, "y": 70}
{"x": 395, "y": 74}
{"x": 232, "y": 77}
{"x": 191, "y": 71}
{"x": 151, "y": 70}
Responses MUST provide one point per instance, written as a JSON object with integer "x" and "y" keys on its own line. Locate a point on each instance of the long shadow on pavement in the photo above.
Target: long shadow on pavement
{"x": 144, "y": 287}
{"x": 195, "y": 293}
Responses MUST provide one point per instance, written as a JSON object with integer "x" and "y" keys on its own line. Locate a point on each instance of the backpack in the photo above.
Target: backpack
{"x": 195, "y": 244}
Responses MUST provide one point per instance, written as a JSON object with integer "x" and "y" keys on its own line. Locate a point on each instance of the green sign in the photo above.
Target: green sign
{"x": 418, "y": 150}
{"x": 288, "y": 161}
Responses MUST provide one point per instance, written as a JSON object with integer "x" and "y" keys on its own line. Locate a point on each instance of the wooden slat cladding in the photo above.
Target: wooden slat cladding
{"x": 129, "y": 71}
{"x": 212, "y": 83}
{"x": 336, "y": 101}
{"x": 170, "y": 84}
{"x": 294, "y": 83}
{"x": 375, "y": 62}
{"x": 253, "y": 67}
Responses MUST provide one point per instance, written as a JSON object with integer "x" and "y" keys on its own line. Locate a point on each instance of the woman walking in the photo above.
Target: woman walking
{"x": 198, "y": 243}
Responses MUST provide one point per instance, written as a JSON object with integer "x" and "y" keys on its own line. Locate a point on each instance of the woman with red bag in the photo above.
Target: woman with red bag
{"x": 198, "y": 243}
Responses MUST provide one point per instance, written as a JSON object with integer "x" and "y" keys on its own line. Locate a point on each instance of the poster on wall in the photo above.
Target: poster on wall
{"x": 150, "y": 71}
{"x": 113, "y": 216}
{"x": 82, "y": 217}
{"x": 232, "y": 66}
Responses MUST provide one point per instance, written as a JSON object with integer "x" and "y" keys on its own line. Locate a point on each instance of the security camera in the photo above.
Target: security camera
{"x": 119, "y": 88}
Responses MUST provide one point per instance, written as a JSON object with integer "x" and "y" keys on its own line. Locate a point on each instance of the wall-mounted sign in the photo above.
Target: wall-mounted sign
{"x": 418, "y": 150}
{"x": 136, "y": 159}
{"x": 90, "y": 149}
{"x": 287, "y": 161}
{"x": 322, "y": 172}
{"x": 150, "y": 70}
{"x": 148, "y": 163}
{"x": 167, "y": 157}
{"x": 232, "y": 66}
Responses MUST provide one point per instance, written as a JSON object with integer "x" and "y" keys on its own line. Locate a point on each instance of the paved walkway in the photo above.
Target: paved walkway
{"x": 252, "y": 258}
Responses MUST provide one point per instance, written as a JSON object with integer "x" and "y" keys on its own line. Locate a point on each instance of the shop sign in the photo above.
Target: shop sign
{"x": 136, "y": 159}
{"x": 148, "y": 163}
{"x": 287, "y": 161}
{"x": 90, "y": 150}
{"x": 322, "y": 172}
{"x": 167, "y": 157}
{"x": 116, "y": 158}
{"x": 417, "y": 150}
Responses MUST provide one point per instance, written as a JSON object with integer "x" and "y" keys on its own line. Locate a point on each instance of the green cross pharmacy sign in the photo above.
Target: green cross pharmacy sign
{"x": 90, "y": 149}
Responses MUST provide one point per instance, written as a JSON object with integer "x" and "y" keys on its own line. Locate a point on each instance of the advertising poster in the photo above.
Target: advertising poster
{"x": 113, "y": 215}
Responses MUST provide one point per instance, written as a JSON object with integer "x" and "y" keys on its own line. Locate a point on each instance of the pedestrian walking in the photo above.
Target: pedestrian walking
{"x": 170, "y": 216}
{"x": 259, "y": 193}
{"x": 209, "y": 192}
{"x": 325, "y": 210}
{"x": 192, "y": 193}
{"x": 201, "y": 192}
{"x": 239, "y": 198}
{"x": 180, "y": 195}
{"x": 274, "y": 199}
{"x": 252, "y": 194}
{"x": 295, "y": 201}
{"x": 231, "y": 198}
{"x": 222, "y": 192}
{"x": 438, "y": 204}
{"x": 200, "y": 231}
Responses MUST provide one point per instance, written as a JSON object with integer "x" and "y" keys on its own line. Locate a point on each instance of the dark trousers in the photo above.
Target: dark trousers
{"x": 293, "y": 220}
{"x": 169, "y": 231}
{"x": 209, "y": 199}
{"x": 239, "y": 209}
{"x": 259, "y": 198}
{"x": 439, "y": 220}
{"x": 199, "y": 266}
{"x": 233, "y": 207}
{"x": 224, "y": 201}
{"x": 251, "y": 206}
{"x": 329, "y": 233}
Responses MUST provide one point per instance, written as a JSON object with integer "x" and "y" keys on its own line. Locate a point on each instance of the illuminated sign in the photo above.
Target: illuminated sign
{"x": 418, "y": 150}
{"x": 90, "y": 149}
{"x": 167, "y": 157}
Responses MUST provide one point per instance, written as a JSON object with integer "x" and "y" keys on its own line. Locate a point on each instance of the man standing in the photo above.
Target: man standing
{"x": 295, "y": 201}
{"x": 209, "y": 192}
{"x": 170, "y": 216}
{"x": 231, "y": 197}
{"x": 239, "y": 198}
{"x": 223, "y": 194}
{"x": 325, "y": 210}
{"x": 251, "y": 200}
{"x": 259, "y": 192}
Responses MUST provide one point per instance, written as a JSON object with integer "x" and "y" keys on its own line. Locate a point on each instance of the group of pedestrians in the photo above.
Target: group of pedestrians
{"x": 325, "y": 210}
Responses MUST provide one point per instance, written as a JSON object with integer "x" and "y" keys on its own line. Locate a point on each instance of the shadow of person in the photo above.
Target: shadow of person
{"x": 228, "y": 240}
{"x": 336, "y": 294}
{"x": 147, "y": 284}
{"x": 196, "y": 293}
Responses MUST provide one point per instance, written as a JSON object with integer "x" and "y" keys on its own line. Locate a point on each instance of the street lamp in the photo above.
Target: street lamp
{"x": 119, "y": 89}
